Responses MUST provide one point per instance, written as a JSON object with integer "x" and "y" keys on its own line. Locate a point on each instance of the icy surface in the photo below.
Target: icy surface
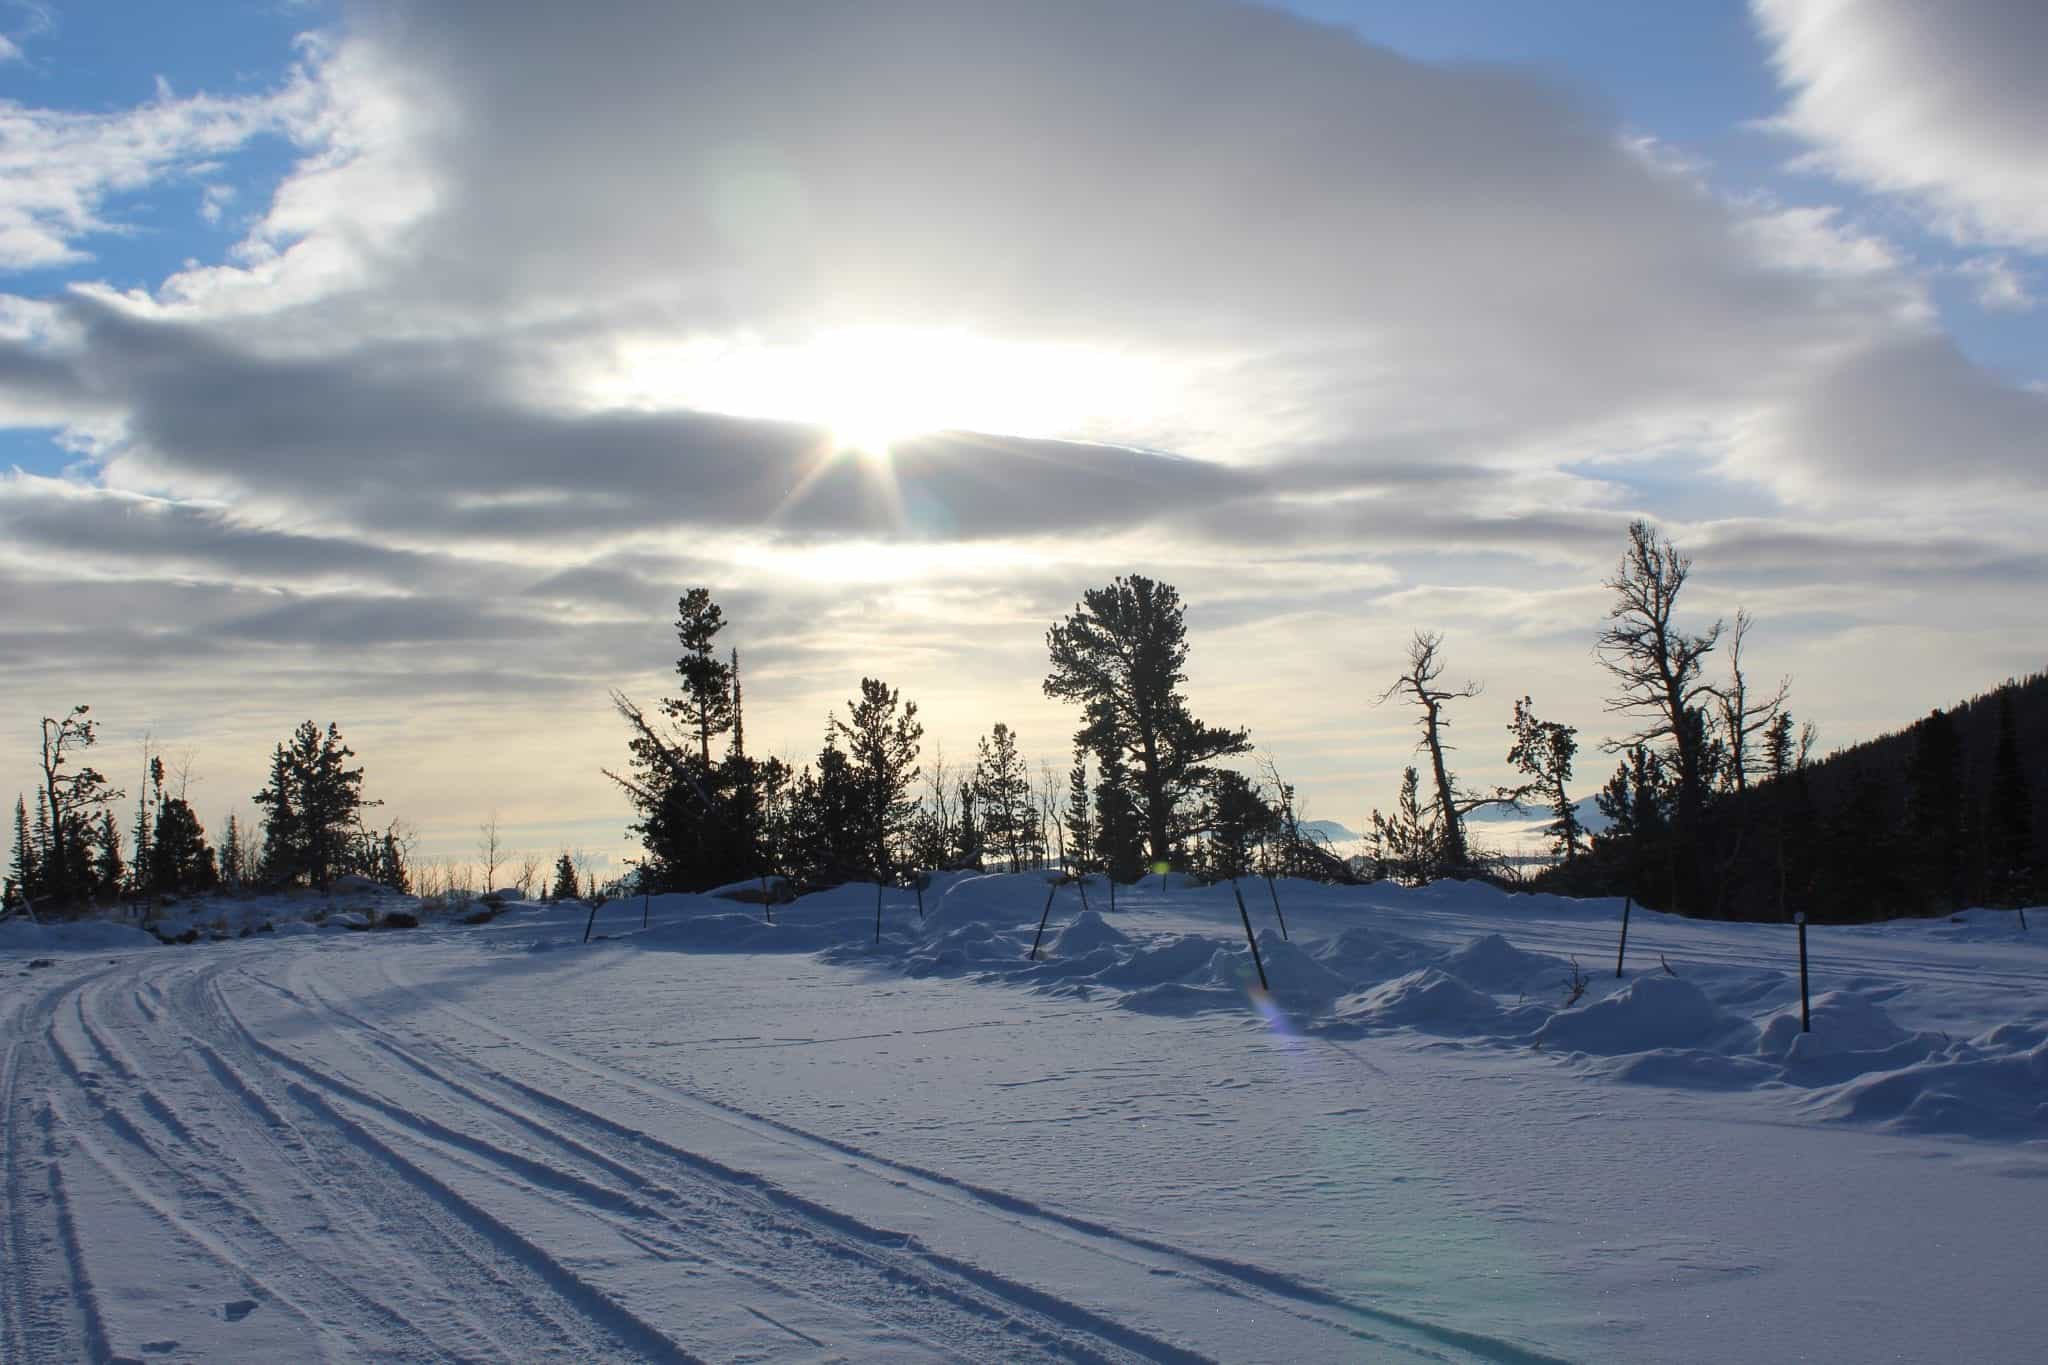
{"x": 726, "y": 1137}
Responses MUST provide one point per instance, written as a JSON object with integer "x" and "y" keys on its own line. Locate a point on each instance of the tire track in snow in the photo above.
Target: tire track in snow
{"x": 46, "y": 1296}
{"x": 522, "y": 1311}
{"x": 1260, "y": 1287}
{"x": 765, "y": 1234}
{"x": 200, "y": 1173}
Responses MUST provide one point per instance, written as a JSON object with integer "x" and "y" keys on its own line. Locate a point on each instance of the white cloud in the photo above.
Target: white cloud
{"x": 59, "y": 167}
{"x": 1944, "y": 103}
{"x": 1998, "y": 285}
{"x": 447, "y": 387}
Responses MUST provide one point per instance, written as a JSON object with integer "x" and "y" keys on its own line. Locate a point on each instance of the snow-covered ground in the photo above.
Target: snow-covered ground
{"x": 721, "y": 1139}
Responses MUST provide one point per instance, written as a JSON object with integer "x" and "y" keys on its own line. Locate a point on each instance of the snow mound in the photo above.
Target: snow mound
{"x": 1171, "y": 957}
{"x": 1295, "y": 976}
{"x": 1176, "y": 998}
{"x": 1843, "y": 1022}
{"x": 1430, "y": 999}
{"x": 21, "y": 935}
{"x": 1655, "y": 1011}
{"x": 1086, "y": 934}
{"x": 1973, "y": 1090}
{"x": 1493, "y": 964}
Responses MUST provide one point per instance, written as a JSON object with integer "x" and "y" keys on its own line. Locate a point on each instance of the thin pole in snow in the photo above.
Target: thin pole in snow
{"x": 1082, "y": 882}
{"x": 1805, "y": 1011}
{"x": 1275, "y": 894}
{"x": 878, "y": 909}
{"x": 1245, "y": 915}
{"x": 1051, "y": 890}
{"x": 591, "y": 923}
{"x": 1622, "y": 952}
{"x": 919, "y": 882}
{"x": 1112, "y": 891}
{"x": 767, "y": 909}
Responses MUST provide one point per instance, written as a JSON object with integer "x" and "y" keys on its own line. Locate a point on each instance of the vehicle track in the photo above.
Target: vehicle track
{"x": 1259, "y": 1290}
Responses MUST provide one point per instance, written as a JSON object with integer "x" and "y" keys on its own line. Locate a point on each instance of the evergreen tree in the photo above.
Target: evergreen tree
{"x": 1239, "y": 817}
{"x": 1936, "y": 828}
{"x": 311, "y": 807}
{"x": 1002, "y": 792}
{"x": 70, "y": 803}
{"x": 1080, "y": 829}
{"x": 182, "y": 861}
{"x": 2009, "y": 817}
{"x": 969, "y": 837}
{"x": 565, "y": 888}
{"x": 1543, "y": 751}
{"x": 883, "y": 736}
{"x": 111, "y": 872}
{"x": 1404, "y": 845}
{"x": 1122, "y": 655}
{"x": 25, "y": 872}
{"x": 706, "y": 709}
{"x": 233, "y": 864}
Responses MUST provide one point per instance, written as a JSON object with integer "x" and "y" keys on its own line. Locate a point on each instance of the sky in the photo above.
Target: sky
{"x": 400, "y": 364}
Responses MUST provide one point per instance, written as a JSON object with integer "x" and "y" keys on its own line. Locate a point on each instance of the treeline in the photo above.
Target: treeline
{"x": 1716, "y": 805}
{"x": 1143, "y": 788}
{"x": 70, "y": 850}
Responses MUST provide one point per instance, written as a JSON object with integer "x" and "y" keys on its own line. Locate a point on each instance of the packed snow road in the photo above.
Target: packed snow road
{"x": 721, "y": 1140}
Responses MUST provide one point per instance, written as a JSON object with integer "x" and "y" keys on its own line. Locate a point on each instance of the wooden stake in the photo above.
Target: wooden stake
{"x": 878, "y": 910}
{"x": 1622, "y": 952}
{"x": 1245, "y": 915}
{"x": 1805, "y": 1012}
{"x": 1272, "y": 891}
{"x": 591, "y": 922}
{"x": 1082, "y": 882}
{"x": 1046, "y": 914}
{"x": 767, "y": 908}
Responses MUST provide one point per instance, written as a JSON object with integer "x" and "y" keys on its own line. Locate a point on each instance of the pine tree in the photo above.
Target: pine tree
{"x": 565, "y": 888}
{"x": 70, "y": 801}
{"x": 883, "y": 736}
{"x": 1080, "y": 827}
{"x": 1122, "y": 654}
{"x": 232, "y": 868}
{"x": 1002, "y": 791}
{"x": 706, "y": 708}
{"x": 1935, "y": 824}
{"x": 2009, "y": 816}
{"x": 1405, "y": 844}
{"x": 25, "y": 872}
{"x": 311, "y": 807}
{"x": 110, "y": 869}
{"x": 182, "y": 861}
{"x": 1543, "y": 752}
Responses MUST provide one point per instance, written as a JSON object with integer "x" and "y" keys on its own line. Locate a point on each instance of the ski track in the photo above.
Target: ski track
{"x": 338, "y": 1189}
{"x": 1255, "y": 1286}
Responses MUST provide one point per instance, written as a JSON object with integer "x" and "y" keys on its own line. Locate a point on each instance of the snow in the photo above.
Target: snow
{"x": 721, "y": 1137}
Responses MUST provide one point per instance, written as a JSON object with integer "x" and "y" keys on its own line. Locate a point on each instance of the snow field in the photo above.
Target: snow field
{"x": 717, "y": 1138}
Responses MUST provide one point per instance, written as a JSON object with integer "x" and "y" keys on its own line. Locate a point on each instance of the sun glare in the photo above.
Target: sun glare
{"x": 872, "y": 388}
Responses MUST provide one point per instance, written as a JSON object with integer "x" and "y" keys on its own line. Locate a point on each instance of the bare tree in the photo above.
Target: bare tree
{"x": 529, "y": 872}
{"x": 1419, "y": 684}
{"x": 489, "y": 850}
{"x": 1660, "y": 675}
{"x": 1743, "y": 716}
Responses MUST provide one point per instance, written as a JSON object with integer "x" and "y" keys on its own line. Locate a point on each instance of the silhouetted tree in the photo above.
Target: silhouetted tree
{"x": 1659, "y": 671}
{"x": 2009, "y": 813}
{"x": 707, "y": 707}
{"x": 565, "y": 887}
{"x": 1002, "y": 794}
{"x": 311, "y": 807}
{"x": 1543, "y": 751}
{"x": 882, "y": 735}
{"x": 76, "y": 795}
{"x": 1122, "y": 654}
{"x": 1420, "y": 685}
